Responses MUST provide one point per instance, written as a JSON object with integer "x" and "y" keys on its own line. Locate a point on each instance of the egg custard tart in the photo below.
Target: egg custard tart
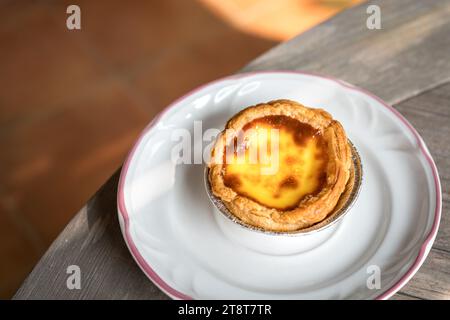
{"x": 281, "y": 166}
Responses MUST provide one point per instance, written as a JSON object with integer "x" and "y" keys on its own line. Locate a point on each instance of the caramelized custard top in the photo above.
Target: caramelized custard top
{"x": 276, "y": 161}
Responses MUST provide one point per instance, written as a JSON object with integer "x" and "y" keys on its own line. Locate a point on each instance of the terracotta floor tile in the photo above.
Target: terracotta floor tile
{"x": 73, "y": 102}
{"x": 274, "y": 19}
{"x": 13, "y": 13}
{"x": 184, "y": 69}
{"x": 42, "y": 65}
{"x": 55, "y": 164}
{"x": 128, "y": 35}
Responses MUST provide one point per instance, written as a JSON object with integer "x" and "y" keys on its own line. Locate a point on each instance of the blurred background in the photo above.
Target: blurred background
{"x": 73, "y": 102}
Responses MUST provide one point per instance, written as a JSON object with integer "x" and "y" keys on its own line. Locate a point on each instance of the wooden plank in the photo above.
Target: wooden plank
{"x": 430, "y": 114}
{"x": 402, "y": 296}
{"x": 92, "y": 241}
{"x": 404, "y": 59}
{"x": 407, "y": 56}
{"x": 433, "y": 280}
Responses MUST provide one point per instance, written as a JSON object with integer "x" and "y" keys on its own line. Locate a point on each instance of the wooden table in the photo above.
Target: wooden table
{"x": 406, "y": 63}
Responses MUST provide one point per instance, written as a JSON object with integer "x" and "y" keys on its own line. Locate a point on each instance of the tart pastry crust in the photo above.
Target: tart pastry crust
{"x": 311, "y": 208}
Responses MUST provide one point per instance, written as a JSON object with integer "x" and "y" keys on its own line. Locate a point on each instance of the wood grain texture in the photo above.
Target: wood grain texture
{"x": 93, "y": 241}
{"x": 433, "y": 279}
{"x": 407, "y": 56}
{"x": 406, "y": 63}
{"x": 429, "y": 113}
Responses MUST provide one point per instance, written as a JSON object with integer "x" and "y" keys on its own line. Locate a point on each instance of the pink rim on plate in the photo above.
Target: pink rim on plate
{"x": 175, "y": 294}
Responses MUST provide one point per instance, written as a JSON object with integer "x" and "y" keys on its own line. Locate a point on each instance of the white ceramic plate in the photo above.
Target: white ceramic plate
{"x": 168, "y": 225}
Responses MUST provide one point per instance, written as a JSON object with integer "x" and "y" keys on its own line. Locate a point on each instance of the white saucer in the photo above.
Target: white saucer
{"x": 168, "y": 223}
